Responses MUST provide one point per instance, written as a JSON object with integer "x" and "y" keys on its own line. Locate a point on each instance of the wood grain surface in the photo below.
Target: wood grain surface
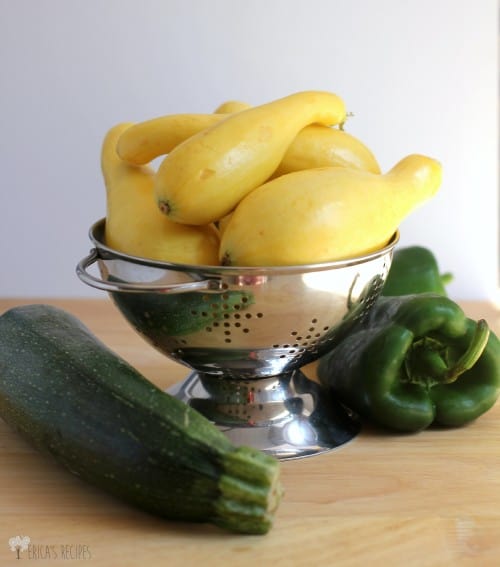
{"x": 430, "y": 499}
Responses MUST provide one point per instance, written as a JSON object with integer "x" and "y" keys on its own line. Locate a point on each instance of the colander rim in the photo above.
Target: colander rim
{"x": 96, "y": 235}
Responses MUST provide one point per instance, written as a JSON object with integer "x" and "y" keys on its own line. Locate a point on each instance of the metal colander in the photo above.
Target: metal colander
{"x": 244, "y": 332}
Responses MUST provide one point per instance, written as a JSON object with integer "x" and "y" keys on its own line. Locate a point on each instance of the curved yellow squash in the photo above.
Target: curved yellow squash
{"x": 314, "y": 145}
{"x": 231, "y": 106}
{"x": 321, "y": 146}
{"x": 135, "y": 226}
{"x": 206, "y": 176}
{"x": 144, "y": 141}
{"x": 325, "y": 214}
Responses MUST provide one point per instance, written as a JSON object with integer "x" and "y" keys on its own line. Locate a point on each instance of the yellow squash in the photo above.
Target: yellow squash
{"x": 147, "y": 140}
{"x": 134, "y": 224}
{"x": 314, "y": 146}
{"x": 231, "y": 106}
{"x": 206, "y": 176}
{"x": 320, "y": 146}
{"x": 325, "y": 214}
{"x": 223, "y": 222}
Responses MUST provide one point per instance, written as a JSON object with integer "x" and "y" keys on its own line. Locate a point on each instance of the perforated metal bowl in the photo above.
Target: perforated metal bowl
{"x": 245, "y": 333}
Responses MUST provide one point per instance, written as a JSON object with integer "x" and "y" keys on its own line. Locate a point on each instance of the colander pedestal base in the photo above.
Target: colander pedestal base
{"x": 287, "y": 416}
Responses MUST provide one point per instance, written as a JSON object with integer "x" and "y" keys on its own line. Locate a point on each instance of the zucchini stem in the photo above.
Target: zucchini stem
{"x": 250, "y": 491}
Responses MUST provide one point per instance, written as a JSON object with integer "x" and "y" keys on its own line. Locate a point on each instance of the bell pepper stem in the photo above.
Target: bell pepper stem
{"x": 446, "y": 278}
{"x": 472, "y": 354}
{"x": 430, "y": 364}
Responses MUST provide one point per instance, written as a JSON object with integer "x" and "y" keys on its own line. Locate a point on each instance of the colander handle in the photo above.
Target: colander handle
{"x": 129, "y": 287}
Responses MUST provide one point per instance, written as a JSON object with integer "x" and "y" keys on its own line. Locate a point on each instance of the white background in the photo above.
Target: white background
{"x": 419, "y": 76}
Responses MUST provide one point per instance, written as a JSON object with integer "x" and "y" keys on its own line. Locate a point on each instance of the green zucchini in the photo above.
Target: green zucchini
{"x": 70, "y": 395}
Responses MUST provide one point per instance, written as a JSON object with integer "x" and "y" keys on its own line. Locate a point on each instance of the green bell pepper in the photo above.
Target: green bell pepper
{"x": 415, "y": 270}
{"x": 413, "y": 361}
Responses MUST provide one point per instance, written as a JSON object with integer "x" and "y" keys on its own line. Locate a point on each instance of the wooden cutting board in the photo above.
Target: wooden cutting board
{"x": 430, "y": 499}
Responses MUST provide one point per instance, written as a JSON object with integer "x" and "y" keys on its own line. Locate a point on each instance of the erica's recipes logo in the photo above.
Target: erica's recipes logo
{"x": 24, "y": 548}
{"x": 19, "y": 543}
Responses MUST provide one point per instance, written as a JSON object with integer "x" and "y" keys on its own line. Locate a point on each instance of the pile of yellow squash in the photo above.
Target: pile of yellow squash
{"x": 277, "y": 184}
